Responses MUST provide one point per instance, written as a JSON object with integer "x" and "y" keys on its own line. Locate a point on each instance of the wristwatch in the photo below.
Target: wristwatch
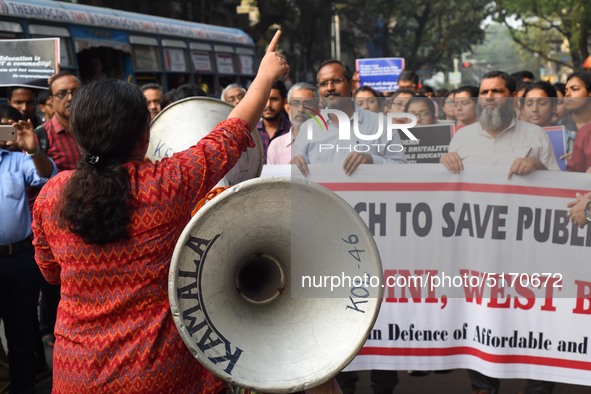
{"x": 588, "y": 211}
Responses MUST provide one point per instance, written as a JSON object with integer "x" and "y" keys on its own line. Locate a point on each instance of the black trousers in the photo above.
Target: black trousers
{"x": 19, "y": 292}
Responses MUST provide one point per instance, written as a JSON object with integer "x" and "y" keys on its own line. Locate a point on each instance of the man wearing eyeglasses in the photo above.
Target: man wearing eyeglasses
{"x": 334, "y": 88}
{"x": 58, "y": 144}
{"x": 302, "y": 98}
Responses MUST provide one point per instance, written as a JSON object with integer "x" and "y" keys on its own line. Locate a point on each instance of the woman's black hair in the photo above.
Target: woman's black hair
{"x": 108, "y": 118}
{"x": 470, "y": 89}
{"x": 421, "y": 98}
{"x": 367, "y": 88}
{"x": 560, "y": 87}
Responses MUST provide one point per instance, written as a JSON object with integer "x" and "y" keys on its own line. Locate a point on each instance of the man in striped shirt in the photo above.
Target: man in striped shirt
{"x": 61, "y": 146}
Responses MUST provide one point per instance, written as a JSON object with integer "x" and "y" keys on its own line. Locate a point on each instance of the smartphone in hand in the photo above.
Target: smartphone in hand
{"x": 7, "y": 133}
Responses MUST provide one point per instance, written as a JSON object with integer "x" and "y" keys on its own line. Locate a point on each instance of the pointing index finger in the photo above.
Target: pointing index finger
{"x": 273, "y": 45}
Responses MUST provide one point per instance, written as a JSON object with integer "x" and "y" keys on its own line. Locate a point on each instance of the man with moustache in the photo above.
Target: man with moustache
{"x": 334, "y": 88}
{"x": 301, "y": 98}
{"x": 154, "y": 97}
{"x": 498, "y": 138}
{"x": 274, "y": 122}
{"x": 233, "y": 94}
{"x": 25, "y": 101}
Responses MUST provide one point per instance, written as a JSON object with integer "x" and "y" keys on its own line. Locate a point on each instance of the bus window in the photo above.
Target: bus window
{"x": 44, "y": 31}
{"x": 99, "y": 62}
{"x": 144, "y": 51}
{"x": 175, "y": 62}
{"x": 224, "y": 63}
{"x": 176, "y": 80}
{"x": 146, "y": 60}
{"x": 201, "y": 57}
{"x": 245, "y": 60}
{"x": 207, "y": 83}
{"x": 175, "y": 55}
{"x": 9, "y": 30}
{"x": 200, "y": 53}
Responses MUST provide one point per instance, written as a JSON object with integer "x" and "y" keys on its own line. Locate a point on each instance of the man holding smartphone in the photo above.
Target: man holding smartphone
{"x": 22, "y": 164}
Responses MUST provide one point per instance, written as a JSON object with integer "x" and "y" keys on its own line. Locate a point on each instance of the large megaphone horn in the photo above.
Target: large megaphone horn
{"x": 275, "y": 284}
{"x": 184, "y": 122}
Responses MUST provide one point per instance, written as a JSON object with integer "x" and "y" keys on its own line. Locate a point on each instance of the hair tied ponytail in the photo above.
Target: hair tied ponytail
{"x": 91, "y": 160}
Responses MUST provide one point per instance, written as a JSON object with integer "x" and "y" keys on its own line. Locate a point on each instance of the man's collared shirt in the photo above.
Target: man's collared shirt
{"x": 279, "y": 151}
{"x": 17, "y": 171}
{"x": 283, "y": 128}
{"x": 326, "y": 148}
{"x": 476, "y": 146}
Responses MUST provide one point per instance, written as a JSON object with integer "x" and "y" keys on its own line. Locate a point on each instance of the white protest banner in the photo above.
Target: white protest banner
{"x": 480, "y": 271}
{"x": 28, "y": 62}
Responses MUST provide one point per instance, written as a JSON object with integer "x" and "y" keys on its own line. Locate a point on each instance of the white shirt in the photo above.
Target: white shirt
{"x": 476, "y": 146}
{"x": 317, "y": 150}
{"x": 279, "y": 151}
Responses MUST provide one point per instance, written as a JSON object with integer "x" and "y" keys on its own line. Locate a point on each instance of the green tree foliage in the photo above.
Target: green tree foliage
{"x": 545, "y": 24}
{"x": 500, "y": 52}
{"x": 428, "y": 32}
{"x": 425, "y": 32}
{"x": 305, "y": 25}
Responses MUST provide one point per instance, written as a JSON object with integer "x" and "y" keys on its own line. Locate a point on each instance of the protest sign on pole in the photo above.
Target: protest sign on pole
{"x": 28, "y": 62}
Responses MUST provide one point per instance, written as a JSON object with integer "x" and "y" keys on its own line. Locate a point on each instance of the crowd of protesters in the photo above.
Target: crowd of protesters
{"x": 530, "y": 106}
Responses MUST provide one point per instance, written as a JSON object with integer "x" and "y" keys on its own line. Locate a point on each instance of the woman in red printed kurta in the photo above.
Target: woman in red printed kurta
{"x": 109, "y": 243}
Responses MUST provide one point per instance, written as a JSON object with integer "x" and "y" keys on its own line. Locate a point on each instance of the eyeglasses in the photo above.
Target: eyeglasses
{"x": 335, "y": 81}
{"x": 235, "y": 99}
{"x": 303, "y": 103}
{"x": 62, "y": 94}
{"x": 422, "y": 114}
{"x": 463, "y": 103}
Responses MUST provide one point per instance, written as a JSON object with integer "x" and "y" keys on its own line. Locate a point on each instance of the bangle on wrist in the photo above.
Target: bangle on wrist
{"x": 37, "y": 151}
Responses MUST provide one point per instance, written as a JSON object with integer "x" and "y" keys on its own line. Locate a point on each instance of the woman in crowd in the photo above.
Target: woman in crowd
{"x": 367, "y": 98}
{"x": 465, "y": 99}
{"x": 399, "y": 99}
{"x": 107, "y": 232}
{"x": 448, "y": 111}
{"x": 578, "y": 98}
{"x": 423, "y": 108}
{"x": 578, "y": 103}
{"x": 538, "y": 104}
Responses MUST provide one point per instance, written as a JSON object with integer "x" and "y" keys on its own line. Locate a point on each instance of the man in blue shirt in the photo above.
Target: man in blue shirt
{"x": 19, "y": 274}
